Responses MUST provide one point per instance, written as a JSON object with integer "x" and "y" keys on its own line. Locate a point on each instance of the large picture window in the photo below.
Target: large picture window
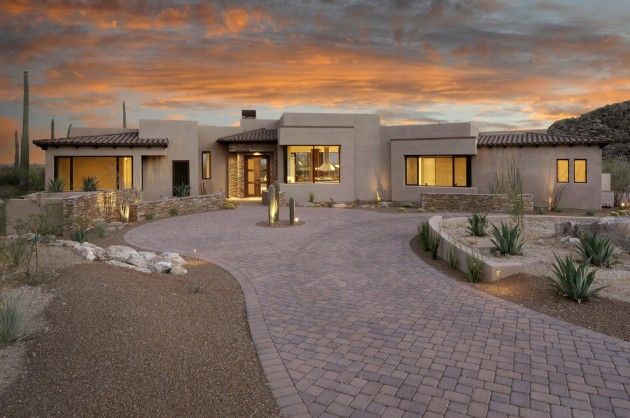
{"x": 206, "y": 165}
{"x": 443, "y": 171}
{"x": 579, "y": 171}
{"x": 313, "y": 164}
{"x": 562, "y": 171}
{"x": 111, "y": 172}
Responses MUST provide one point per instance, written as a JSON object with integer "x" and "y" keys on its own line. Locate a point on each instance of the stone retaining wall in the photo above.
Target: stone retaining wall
{"x": 494, "y": 203}
{"x": 92, "y": 208}
{"x": 182, "y": 205}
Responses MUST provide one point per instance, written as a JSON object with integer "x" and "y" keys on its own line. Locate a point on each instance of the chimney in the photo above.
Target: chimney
{"x": 248, "y": 114}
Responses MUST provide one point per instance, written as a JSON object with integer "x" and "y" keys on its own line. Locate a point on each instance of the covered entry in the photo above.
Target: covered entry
{"x": 252, "y": 162}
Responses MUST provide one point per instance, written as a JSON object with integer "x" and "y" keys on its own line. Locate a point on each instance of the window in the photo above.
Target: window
{"x": 111, "y": 172}
{"x": 445, "y": 171}
{"x": 206, "y": 164}
{"x": 562, "y": 171}
{"x": 313, "y": 164}
{"x": 579, "y": 171}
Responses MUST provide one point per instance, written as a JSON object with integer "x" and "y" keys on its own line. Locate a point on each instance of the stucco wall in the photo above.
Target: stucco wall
{"x": 183, "y": 145}
{"x": 208, "y": 136}
{"x": 363, "y": 160}
{"x": 538, "y": 170}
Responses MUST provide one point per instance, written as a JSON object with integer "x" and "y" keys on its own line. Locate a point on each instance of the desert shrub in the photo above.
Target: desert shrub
{"x": 10, "y": 177}
{"x": 311, "y": 197}
{"x": 571, "y": 281}
{"x": 79, "y": 235}
{"x": 613, "y": 213}
{"x": 452, "y": 258}
{"x": 619, "y": 170}
{"x": 100, "y": 230}
{"x": 90, "y": 184}
{"x": 507, "y": 240}
{"x": 474, "y": 268}
{"x": 423, "y": 235}
{"x": 16, "y": 250}
{"x": 13, "y": 322}
{"x": 589, "y": 213}
{"x": 555, "y": 195}
{"x": 182, "y": 190}
{"x": 477, "y": 225}
{"x": 596, "y": 250}
{"x": 539, "y": 210}
{"x": 434, "y": 244}
{"x": 230, "y": 204}
{"x": 173, "y": 211}
{"x": 55, "y": 185}
{"x": 149, "y": 216}
{"x": 80, "y": 228}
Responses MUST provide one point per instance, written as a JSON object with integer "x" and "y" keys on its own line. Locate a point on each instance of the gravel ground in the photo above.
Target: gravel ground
{"x": 536, "y": 293}
{"x": 540, "y": 245}
{"x": 120, "y": 342}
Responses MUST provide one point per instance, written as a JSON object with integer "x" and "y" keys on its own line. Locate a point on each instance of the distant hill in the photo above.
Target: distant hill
{"x": 611, "y": 121}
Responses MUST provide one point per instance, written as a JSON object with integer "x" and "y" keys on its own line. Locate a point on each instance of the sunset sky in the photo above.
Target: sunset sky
{"x": 506, "y": 64}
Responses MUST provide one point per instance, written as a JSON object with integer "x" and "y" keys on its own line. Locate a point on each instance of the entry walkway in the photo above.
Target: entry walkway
{"x": 347, "y": 321}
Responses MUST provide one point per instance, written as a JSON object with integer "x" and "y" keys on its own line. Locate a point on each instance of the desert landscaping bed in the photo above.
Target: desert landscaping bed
{"x": 116, "y": 341}
{"x": 536, "y": 293}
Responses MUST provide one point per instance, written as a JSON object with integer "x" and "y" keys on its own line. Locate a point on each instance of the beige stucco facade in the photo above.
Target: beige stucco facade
{"x": 371, "y": 158}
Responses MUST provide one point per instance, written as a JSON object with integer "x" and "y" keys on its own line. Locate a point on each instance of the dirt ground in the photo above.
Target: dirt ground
{"x": 536, "y": 293}
{"x": 121, "y": 342}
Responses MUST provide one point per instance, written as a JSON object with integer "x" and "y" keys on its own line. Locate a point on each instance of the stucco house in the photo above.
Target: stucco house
{"x": 327, "y": 156}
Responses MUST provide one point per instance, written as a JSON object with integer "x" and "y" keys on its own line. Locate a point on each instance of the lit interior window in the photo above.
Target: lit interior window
{"x": 562, "y": 168}
{"x": 313, "y": 164}
{"x": 579, "y": 171}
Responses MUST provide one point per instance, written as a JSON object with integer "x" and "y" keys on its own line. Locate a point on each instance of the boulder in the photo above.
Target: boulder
{"x": 122, "y": 253}
{"x": 148, "y": 255}
{"x": 384, "y": 204}
{"x": 174, "y": 258}
{"x": 118, "y": 263}
{"x": 405, "y": 204}
{"x": 178, "y": 270}
{"x": 161, "y": 266}
{"x": 339, "y": 205}
{"x": 575, "y": 241}
{"x": 616, "y": 229}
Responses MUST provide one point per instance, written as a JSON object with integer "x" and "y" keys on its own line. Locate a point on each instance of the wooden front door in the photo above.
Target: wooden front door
{"x": 256, "y": 175}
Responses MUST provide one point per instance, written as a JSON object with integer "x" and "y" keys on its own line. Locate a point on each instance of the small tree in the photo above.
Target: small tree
{"x": 619, "y": 170}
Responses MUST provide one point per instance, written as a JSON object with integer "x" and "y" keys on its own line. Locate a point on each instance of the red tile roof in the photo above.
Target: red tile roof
{"x": 125, "y": 139}
{"x": 520, "y": 139}
{"x": 258, "y": 135}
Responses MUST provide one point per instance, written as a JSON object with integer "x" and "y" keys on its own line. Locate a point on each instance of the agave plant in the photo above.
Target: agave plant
{"x": 571, "y": 281}
{"x": 507, "y": 240}
{"x": 182, "y": 190}
{"x": 90, "y": 184}
{"x": 596, "y": 249}
{"x": 477, "y": 225}
{"x": 55, "y": 185}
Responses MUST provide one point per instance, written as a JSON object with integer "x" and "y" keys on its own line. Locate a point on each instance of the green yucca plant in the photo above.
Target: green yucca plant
{"x": 453, "y": 259}
{"x": 507, "y": 240}
{"x": 182, "y": 190}
{"x": 477, "y": 224}
{"x": 423, "y": 235}
{"x": 13, "y": 325}
{"x": 434, "y": 244}
{"x": 571, "y": 281}
{"x": 90, "y": 184}
{"x": 474, "y": 267}
{"x": 596, "y": 249}
{"x": 55, "y": 185}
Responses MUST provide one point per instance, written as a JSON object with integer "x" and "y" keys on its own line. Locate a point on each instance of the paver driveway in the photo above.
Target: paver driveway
{"x": 347, "y": 321}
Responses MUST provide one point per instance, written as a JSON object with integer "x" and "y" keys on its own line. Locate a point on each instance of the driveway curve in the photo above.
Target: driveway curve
{"x": 347, "y": 321}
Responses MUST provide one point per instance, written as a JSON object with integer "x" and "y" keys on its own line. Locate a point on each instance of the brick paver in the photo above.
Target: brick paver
{"x": 347, "y": 321}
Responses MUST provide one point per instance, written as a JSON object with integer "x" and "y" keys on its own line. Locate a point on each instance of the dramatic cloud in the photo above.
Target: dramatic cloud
{"x": 505, "y": 64}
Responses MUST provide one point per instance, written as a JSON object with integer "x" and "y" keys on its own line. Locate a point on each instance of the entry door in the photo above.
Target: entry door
{"x": 256, "y": 175}
{"x": 181, "y": 173}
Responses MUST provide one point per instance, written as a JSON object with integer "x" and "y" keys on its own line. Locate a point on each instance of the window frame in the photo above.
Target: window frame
{"x": 585, "y": 170}
{"x": 209, "y": 163}
{"x": 286, "y": 165}
{"x": 72, "y": 157}
{"x": 417, "y": 157}
{"x": 558, "y": 171}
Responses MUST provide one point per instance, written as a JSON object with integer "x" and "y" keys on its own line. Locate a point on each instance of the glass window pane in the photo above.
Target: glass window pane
{"x": 563, "y": 171}
{"x": 427, "y": 171}
{"x": 299, "y": 164}
{"x": 579, "y": 171}
{"x": 412, "y": 170}
{"x": 461, "y": 172}
{"x": 205, "y": 165}
{"x": 326, "y": 163}
{"x": 125, "y": 175}
{"x": 63, "y": 171}
{"x": 444, "y": 171}
{"x": 103, "y": 168}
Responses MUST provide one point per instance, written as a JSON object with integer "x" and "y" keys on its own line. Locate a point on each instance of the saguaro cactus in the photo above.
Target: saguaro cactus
{"x": 16, "y": 161}
{"x": 52, "y": 128}
{"x": 273, "y": 206}
{"x": 291, "y": 211}
{"x": 68, "y": 133}
{"x": 24, "y": 157}
{"x": 124, "y": 116}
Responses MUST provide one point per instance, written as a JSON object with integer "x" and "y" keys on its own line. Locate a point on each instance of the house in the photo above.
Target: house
{"x": 327, "y": 156}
